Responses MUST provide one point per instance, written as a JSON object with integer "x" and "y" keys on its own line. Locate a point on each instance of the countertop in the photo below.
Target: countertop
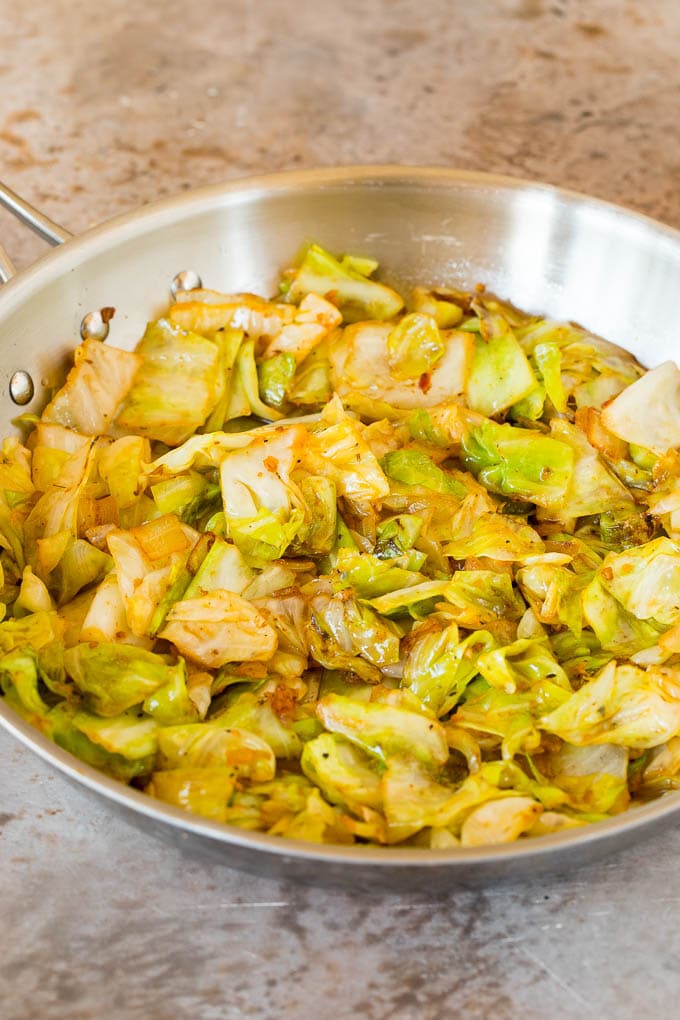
{"x": 106, "y": 106}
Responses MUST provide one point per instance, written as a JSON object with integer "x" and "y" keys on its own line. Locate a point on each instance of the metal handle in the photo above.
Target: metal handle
{"x": 38, "y": 222}
{"x": 7, "y": 267}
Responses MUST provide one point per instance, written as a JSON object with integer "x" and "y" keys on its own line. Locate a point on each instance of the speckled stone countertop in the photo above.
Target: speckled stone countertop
{"x": 106, "y": 106}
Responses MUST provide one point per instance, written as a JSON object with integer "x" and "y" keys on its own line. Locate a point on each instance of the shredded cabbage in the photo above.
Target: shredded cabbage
{"x": 352, "y": 567}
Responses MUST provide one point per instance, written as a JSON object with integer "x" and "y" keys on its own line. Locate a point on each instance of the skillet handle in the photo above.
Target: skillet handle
{"x": 38, "y": 222}
{"x": 7, "y": 267}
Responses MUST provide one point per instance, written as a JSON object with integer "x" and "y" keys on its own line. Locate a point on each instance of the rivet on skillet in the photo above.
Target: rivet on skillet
{"x": 21, "y": 388}
{"x": 186, "y": 280}
{"x": 95, "y": 325}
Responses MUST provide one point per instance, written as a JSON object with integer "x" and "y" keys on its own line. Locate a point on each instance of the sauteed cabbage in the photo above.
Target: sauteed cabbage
{"x": 347, "y": 566}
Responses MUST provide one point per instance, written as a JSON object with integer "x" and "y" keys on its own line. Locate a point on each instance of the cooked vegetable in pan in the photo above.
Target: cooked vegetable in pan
{"x": 347, "y": 566}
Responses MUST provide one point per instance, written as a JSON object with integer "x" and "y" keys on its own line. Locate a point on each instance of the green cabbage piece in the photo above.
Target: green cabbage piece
{"x": 59, "y": 724}
{"x": 518, "y": 462}
{"x": 414, "y": 346}
{"x": 266, "y": 536}
{"x": 481, "y": 597}
{"x": 259, "y": 475}
{"x": 385, "y": 730}
{"x": 229, "y": 343}
{"x": 510, "y": 775}
{"x": 594, "y": 777}
{"x": 122, "y": 466}
{"x": 355, "y": 294}
{"x": 617, "y": 630}
{"x": 173, "y": 494}
{"x": 316, "y": 822}
{"x": 311, "y": 384}
{"x": 130, "y": 736}
{"x": 500, "y": 374}
{"x": 12, "y": 536}
{"x": 531, "y": 407}
{"x": 176, "y": 387}
{"x": 338, "y": 449}
{"x": 270, "y": 579}
{"x": 592, "y": 488}
{"x": 414, "y": 467}
{"x": 646, "y": 412}
{"x": 337, "y": 682}
{"x": 275, "y": 378}
{"x": 555, "y": 593}
{"x": 357, "y": 630}
{"x": 417, "y": 600}
{"x": 521, "y": 665}
{"x": 424, "y": 427}
{"x": 370, "y": 576}
{"x": 33, "y": 595}
{"x": 624, "y": 526}
{"x": 246, "y": 376}
{"x": 580, "y": 656}
{"x": 499, "y": 820}
{"x": 35, "y": 631}
{"x": 204, "y": 451}
{"x": 498, "y": 537}
{"x": 170, "y": 704}
{"x": 222, "y": 568}
{"x": 178, "y": 581}
{"x": 316, "y": 537}
{"x": 548, "y": 360}
{"x": 244, "y": 710}
{"x": 203, "y": 791}
{"x": 440, "y": 665}
{"x": 362, "y": 264}
{"x": 99, "y": 380}
{"x": 192, "y": 497}
{"x": 55, "y": 514}
{"x": 215, "y": 745}
{"x": 261, "y": 502}
{"x": 440, "y": 304}
{"x": 16, "y": 483}
{"x": 114, "y": 677}
{"x": 511, "y": 717}
{"x": 622, "y": 705}
{"x": 145, "y": 587}
{"x": 288, "y": 612}
{"x": 81, "y": 565}
{"x": 397, "y": 535}
{"x": 262, "y": 805}
{"x": 344, "y": 773}
{"x": 413, "y": 799}
{"x": 218, "y": 628}
{"x": 646, "y": 580}
{"x": 325, "y": 651}
{"x": 656, "y": 771}
{"x": 20, "y": 670}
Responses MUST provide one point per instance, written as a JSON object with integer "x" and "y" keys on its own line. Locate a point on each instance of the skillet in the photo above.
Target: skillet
{"x": 547, "y": 250}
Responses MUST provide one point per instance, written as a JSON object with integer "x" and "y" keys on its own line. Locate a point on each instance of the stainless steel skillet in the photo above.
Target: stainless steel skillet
{"x": 547, "y": 250}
